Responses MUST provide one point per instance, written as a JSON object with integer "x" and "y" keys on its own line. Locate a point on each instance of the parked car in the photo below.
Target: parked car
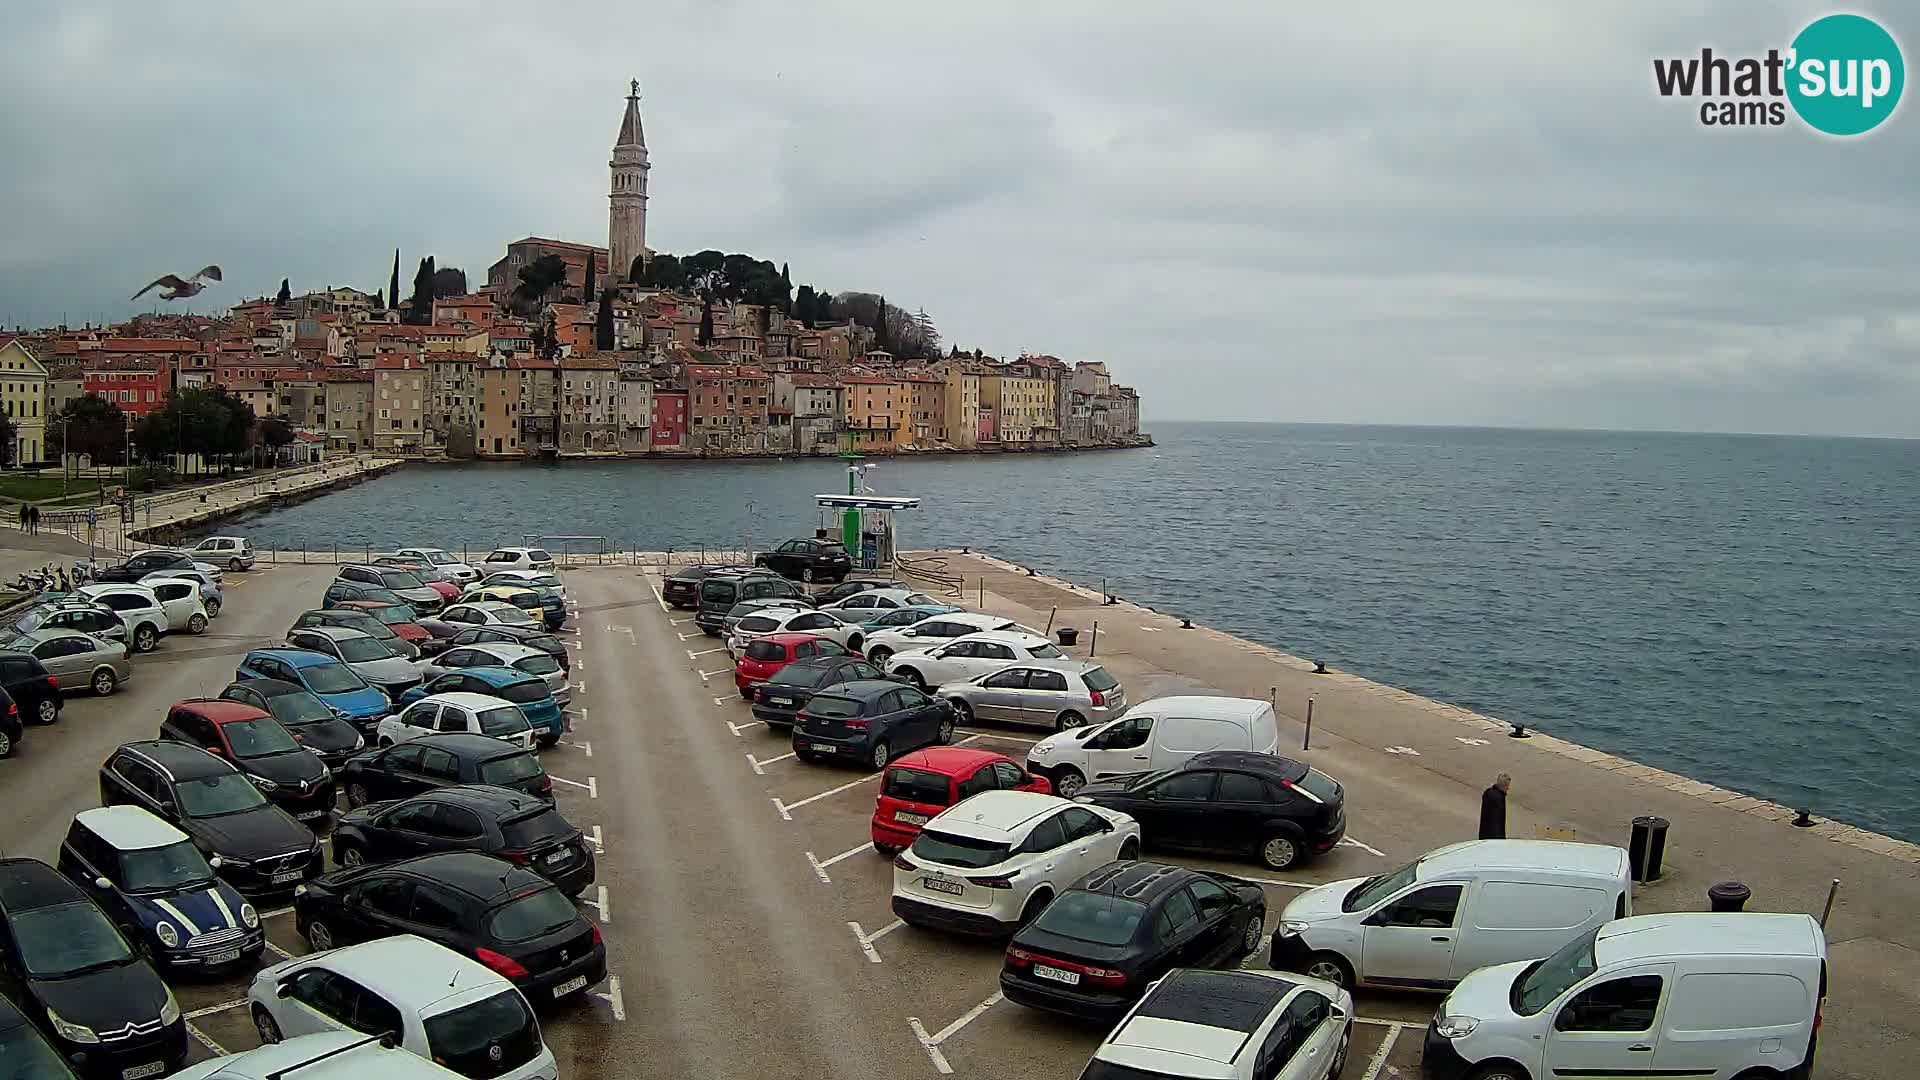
{"x": 518, "y": 596}
{"x": 765, "y": 605}
{"x": 864, "y": 604}
{"x": 818, "y": 623}
{"x": 1242, "y": 1024}
{"x": 469, "y": 712}
{"x": 1153, "y": 736}
{"x": 870, "y": 722}
{"x": 763, "y": 657}
{"x": 1057, "y": 694}
{"x": 355, "y": 617}
{"x": 233, "y": 552}
{"x": 1452, "y": 911}
{"x": 1097, "y": 947}
{"x": 514, "y": 635}
{"x": 313, "y": 723}
{"x": 529, "y": 692}
{"x": 76, "y": 661}
{"x": 11, "y": 729}
{"x": 339, "y": 592}
{"x": 369, "y": 657}
{"x": 348, "y": 1054}
{"x": 28, "y": 1054}
{"x": 160, "y": 890}
{"x": 400, "y": 583}
{"x": 444, "y": 564}
{"x": 1235, "y": 803}
{"x": 98, "y": 1002}
{"x": 448, "y": 591}
{"x": 778, "y": 700}
{"x": 180, "y": 599}
{"x": 427, "y": 635}
{"x": 328, "y": 679}
{"x": 919, "y": 785}
{"x": 441, "y": 1007}
{"x": 935, "y": 630}
{"x": 895, "y": 618}
{"x": 261, "y": 848}
{"x": 855, "y": 586}
{"x": 531, "y": 579}
{"x": 720, "y": 592}
{"x": 211, "y": 591}
{"x": 268, "y": 754}
{"x": 505, "y": 916}
{"x": 522, "y": 658}
{"x": 990, "y": 863}
{"x": 1718, "y": 996}
{"x": 808, "y": 560}
{"x": 682, "y": 588}
{"x": 80, "y": 614}
{"x": 30, "y": 687}
{"x": 967, "y": 657}
{"x": 509, "y": 825}
{"x": 138, "y": 609}
{"x": 516, "y": 558}
{"x": 490, "y": 613}
{"x": 140, "y": 565}
{"x": 442, "y": 760}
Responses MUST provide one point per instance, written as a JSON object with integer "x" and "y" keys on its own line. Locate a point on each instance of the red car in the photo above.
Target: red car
{"x": 765, "y": 655}
{"x": 398, "y": 617}
{"x": 259, "y": 746}
{"x": 921, "y": 784}
{"x": 448, "y": 591}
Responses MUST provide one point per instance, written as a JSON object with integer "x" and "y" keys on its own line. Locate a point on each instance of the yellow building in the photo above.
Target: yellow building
{"x": 23, "y": 393}
{"x": 399, "y": 402}
{"x": 878, "y": 411}
{"x": 956, "y": 414}
{"x": 499, "y": 430}
{"x": 1022, "y": 406}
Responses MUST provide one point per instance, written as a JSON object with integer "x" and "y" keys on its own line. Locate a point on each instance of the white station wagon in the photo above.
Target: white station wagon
{"x": 475, "y": 714}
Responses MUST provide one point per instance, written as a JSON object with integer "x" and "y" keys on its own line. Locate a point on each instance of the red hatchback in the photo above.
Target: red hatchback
{"x": 921, "y": 784}
{"x": 765, "y": 655}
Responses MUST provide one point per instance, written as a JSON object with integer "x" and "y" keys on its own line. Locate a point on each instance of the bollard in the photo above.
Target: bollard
{"x": 1833, "y": 891}
{"x": 983, "y": 591}
{"x": 1319, "y": 667}
{"x": 1728, "y": 896}
{"x": 1647, "y": 848}
{"x": 1306, "y": 741}
{"x": 1051, "y": 612}
{"x": 1805, "y": 819}
{"x": 1068, "y": 635}
{"x": 1094, "y": 642}
{"x": 1519, "y": 732}
{"x": 1186, "y": 623}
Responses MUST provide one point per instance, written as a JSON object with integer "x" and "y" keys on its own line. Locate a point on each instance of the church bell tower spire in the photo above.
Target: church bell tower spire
{"x": 627, "y": 194}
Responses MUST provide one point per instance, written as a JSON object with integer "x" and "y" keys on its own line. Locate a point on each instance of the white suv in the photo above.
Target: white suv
{"x": 447, "y": 1008}
{"x": 475, "y": 714}
{"x": 989, "y": 863}
{"x": 517, "y": 558}
{"x": 445, "y": 566}
{"x": 968, "y": 657}
{"x": 1230, "y": 1025}
{"x": 935, "y": 630}
{"x": 137, "y": 607}
{"x": 338, "y": 1056}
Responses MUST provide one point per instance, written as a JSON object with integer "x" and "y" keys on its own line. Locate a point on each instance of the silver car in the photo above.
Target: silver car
{"x": 76, "y": 661}
{"x": 1056, "y": 694}
{"x": 75, "y": 613}
{"x": 368, "y": 656}
{"x": 501, "y": 654}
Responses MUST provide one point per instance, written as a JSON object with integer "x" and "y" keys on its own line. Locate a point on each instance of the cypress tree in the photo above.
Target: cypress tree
{"x": 786, "y": 291}
{"x": 393, "y": 285}
{"x": 881, "y": 339}
{"x": 593, "y": 263}
{"x": 285, "y": 293}
{"x": 603, "y": 324}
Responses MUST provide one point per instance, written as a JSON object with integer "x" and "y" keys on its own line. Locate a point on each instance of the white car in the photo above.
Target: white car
{"x": 368, "y": 656}
{"x": 180, "y": 599}
{"x": 446, "y": 1007}
{"x": 543, "y": 578}
{"x": 968, "y": 657}
{"x": 862, "y": 606}
{"x": 212, "y": 592}
{"x": 517, "y": 558}
{"x": 137, "y": 607}
{"x": 488, "y": 613}
{"x": 502, "y": 654}
{"x": 319, "y": 1057}
{"x": 989, "y": 863}
{"x": 445, "y": 566}
{"x": 1231, "y": 1025}
{"x": 819, "y": 623}
{"x": 935, "y": 630}
{"x": 475, "y": 714}
{"x": 233, "y": 552}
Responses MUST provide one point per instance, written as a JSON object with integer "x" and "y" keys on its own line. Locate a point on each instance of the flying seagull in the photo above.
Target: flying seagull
{"x": 177, "y": 289}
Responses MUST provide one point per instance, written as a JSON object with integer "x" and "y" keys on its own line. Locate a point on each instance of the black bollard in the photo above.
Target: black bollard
{"x": 1319, "y": 667}
{"x": 1728, "y": 896}
{"x": 1519, "y": 732}
{"x": 1805, "y": 820}
{"x": 1647, "y": 848}
{"x": 1068, "y": 636}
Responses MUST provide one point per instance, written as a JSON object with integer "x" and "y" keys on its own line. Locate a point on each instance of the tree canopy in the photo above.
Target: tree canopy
{"x": 211, "y": 423}
{"x": 536, "y": 278}
{"x": 90, "y": 425}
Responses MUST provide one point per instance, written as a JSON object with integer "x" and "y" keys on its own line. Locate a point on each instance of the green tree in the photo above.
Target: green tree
{"x": 786, "y": 291}
{"x": 803, "y": 304}
{"x": 9, "y": 439}
{"x": 448, "y": 281}
{"x": 379, "y": 298}
{"x": 603, "y": 324}
{"x": 393, "y": 285}
{"x": 536, "y": 278}
{"x": 882, "y": 339}
{"x": 586, "y": 293}
{"x": 420, "y": 304}
{"x": 285, "y": 294}
{"x": 275, "y": 433}
{"x": 93, "y": 426}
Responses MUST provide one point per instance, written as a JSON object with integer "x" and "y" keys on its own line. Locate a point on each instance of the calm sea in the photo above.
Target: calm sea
{"x": 1740, "y": 609}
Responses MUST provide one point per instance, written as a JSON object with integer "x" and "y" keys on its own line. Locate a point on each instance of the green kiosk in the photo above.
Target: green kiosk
{"x": 866, "y": 519}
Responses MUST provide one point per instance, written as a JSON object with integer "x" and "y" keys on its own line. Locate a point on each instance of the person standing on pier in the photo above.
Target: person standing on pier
{"x": 1493, "y": 809}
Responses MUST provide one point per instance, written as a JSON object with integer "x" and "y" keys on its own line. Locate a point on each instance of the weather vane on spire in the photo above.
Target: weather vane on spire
{"x": 635, "y": 91}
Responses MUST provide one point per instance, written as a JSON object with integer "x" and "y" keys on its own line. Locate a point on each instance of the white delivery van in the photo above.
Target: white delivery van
{"x": 1454, "y": 910}
{"x": 1701, "y": 995}
{"x": 1153, "y": 735}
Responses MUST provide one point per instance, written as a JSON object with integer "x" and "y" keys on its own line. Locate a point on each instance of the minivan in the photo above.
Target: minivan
{"x": 1453, "y": 911}
{"x": 1153, "y": 735}
{"x": 719, "y": 592}
{"x": 1713, "y": 996}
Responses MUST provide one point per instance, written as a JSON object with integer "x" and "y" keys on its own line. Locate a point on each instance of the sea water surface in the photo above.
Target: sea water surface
{"x": 1744, "y": 610}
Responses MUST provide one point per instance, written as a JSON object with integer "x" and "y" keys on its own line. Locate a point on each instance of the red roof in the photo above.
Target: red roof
{"x": 222, "y": 710}
{"x": 393, "y": 363}
{"x": 150, "y": 345}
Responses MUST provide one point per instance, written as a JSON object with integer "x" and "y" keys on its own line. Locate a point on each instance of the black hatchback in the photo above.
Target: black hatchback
{"x": 317, "y": 725}
{"x": 509, "y": 825}
{"x": 808, "y": 560}
{"x": 1233, "y": 802}
{"x": 443, "y": 760}
{"x": 508, "y": 918}
{"x": 682, "y": 588}
{"x": 873, "y": 721}
{"x": 1098, "y": 946}
{"x": 778, "y": 701}
{"x": 28, "y": 1054}
{"x": 99, "y": 1003}
{"x": 144, "y": 565}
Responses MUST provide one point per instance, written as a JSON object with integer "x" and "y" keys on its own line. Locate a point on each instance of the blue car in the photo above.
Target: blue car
{"x": 157, "y": 887}
{"x": 906, "y": 616}
{"x": 328, "y": 679}
{"x": 527, "y": 691}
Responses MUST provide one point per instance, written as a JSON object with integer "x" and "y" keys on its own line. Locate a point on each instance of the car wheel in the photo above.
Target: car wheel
{"x": 47, "y": 711}
{"x": 853, "y": 643}
{"x": 357, "y": 795}
{"x": 1129, "y": 850}
{"x": 1069, "y": 719}
{"x": 1499, "y": 1070}
{"x": 234, "y": 565}
{"x": 746, "y": 693}
{"x": 104, "y": 682}
{"x": 197, "y": 624}
{"x": 962, "y": 710}
{"x": 1036, "y": 904}
{"x": 945, "y": 734}
{"x": 213, "y": 609}
{"x": 145, "y": 638}
{"x": 806, "y": 574}
{"x": 352, "y": 856}
{"x": 1340, "y": 1055}
{"x": 879, "y": 655}
{"x": 1250, "y": 944}
{"x": 320, "y": 935}
{"x": 263, "y": 1023}
{"x": 1330, "y": 967}
{"x": 913, "y": 676}
{"x": 882, "y": 753}
{"x": 1280, "y": 851}
{"x": 6, "y": 745}
{"x": 887, "y": 850}
{"x": 1068, "y": 783}
{"x": 384, "y": 742}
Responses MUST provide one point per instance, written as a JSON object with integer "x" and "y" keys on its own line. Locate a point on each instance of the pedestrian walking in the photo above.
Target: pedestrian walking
{"x": 1493, "y": 808}
{"x": 23, "y": 517}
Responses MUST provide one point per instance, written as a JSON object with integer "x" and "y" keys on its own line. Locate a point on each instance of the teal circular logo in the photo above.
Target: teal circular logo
{"x": 1846, "y": 74}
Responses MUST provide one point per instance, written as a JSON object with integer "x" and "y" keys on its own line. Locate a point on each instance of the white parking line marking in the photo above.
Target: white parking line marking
{"x": 719, "y": 701}
{"x": 785, "y": 807}
{"x": 278, "y": 951}
{"x": 979, "y": 734}
{"x": 1363, "y": 847}
{"x": 782, "y": 808}
{"x": 1379, "y": 1059}
{"x": 738, "y": 728}
{"x": 220, "y": 1008}
{"x": 866, "y": 943}
{"x": 885, "y": 930}
{"x": 612, "y": 997}
{"x": 276, "y": 912}
{"x": 679, "y": 622}
{"x": 605, "y": 915}
{"x": 206, "y": 1040}
{"x": 691, "y": 655}
{"x": 847, "y": 854}
{"x": 585, "y": 747}
{"x": 926, "y": 1043}
{"x": 594, "y": 836}
{"x": 687, "y": 637}
{"x": 820, "y": 868}
{"x": 931, "y": 1043}
{"x": 592, "y": 785}
{"x": 1282, "y": 884}
{"x": 705, "y": 675}
{"x": 581, "y": 664}
{"x": 661, "y": 600}
{"x": 757, "y": 762}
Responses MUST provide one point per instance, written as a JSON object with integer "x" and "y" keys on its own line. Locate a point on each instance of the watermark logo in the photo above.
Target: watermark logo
{"x": 1842, "y": 75}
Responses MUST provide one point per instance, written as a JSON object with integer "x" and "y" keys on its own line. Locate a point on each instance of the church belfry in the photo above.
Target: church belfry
{"x": 627, "y": 195}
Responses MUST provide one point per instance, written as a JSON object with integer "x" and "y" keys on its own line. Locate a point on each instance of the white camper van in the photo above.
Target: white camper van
{"x": 1158, "y": 734}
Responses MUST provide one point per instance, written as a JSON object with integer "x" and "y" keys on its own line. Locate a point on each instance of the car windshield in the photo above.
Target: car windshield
{"x": 546, "y": 643}
{"x": 545, "y": 581}
{"x": 1099, "y": 679}
{"x": 24, "y": 1055}
{"x": 401, "y": 579}
{"x": 961, "y": 851}
{"x": 509, "y": 770}
{"x": 332, "y": 679}
{"x": 833, "y": 707}
{"x": 532, "y": 915}
{"x": 258, "y": 738}
{"x": 717, "y": 591}
{"x": 797, "y": 674}
{"x": 437, "y": 557}
{"x": 212, "y": 796}
{"x": 67, "y": 939}
{"x": 362, "y": 649}
{"x": 513, "y": 616}
{"x": 491, "y": 1037}
{"x": 916, "y": 786}
{"x": 505, "y": 720}
{"x": 393, "y": 614}
{"x": 1094, "y": 917}
{"x": 537, "y": 665}
{"x": 539, "y": 555}
{"x": 528, "y": 692}
{"x": 298, "y": 708}
{"x": 366, "y": 624}
{"x": 1319, "y": 785}
{"x": 1045, "y": 651}
{"x": 164, "y": 869}
{"x": 1551, "y": 977}
{"x": 1375, "y": 889}
{"x": 535, "y": 829}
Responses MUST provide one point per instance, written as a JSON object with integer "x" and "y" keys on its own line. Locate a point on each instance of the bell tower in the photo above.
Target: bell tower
{"x": 627, "y": 194}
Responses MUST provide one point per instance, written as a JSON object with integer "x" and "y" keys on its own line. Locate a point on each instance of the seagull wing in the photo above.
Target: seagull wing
{"x": 171, "y": 281}
{"x": 209, "y": 272}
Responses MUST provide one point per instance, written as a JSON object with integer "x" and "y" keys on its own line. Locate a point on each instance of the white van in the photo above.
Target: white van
{"x": 1158, "y": 734}
{"x": 1452, "y": 911}
{"x": 1712, "y": 996}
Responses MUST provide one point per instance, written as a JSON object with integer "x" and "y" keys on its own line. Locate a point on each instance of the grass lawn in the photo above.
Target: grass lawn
{"x": 42, "y": 485}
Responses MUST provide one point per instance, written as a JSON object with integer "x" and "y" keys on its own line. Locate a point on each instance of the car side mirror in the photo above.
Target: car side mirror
{"x": 216, "y": 862}
{"x": 101, "y": 882}
{"x": 1378, "y": 918}
{"x": 909, "y": 632}
{"x": 283, "y": 989}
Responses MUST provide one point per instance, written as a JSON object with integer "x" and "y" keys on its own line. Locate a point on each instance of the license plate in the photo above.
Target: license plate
{"x": 310, "y": 815}
{"x": 287, "y": 878}
{"x": 1071, "y": 978}
{"x": 569, "y": 986}
{"x": 942, "y": 885}
{"x": 825, "y": 747}
{"x": 780, "y": 701}
{"x": 556, "y": 857}
{"x": 152, "y": 1068}
{"x": 905, "y": 818}
{"x": 226, "y": 957}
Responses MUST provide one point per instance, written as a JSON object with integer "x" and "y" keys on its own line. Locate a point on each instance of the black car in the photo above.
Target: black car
{"x": 143, "y": 564}
{"x": 873, "y": 721}
{"x": 339, "y": 592}
{"x": 74, "y": 975}
{"x": 509, "y": 825}
{"x": 262, "y": 849}
{"x": 290, "y": 776}
{"x": 856, "y": 586}
{"x": 1098, "y": 946}
{"x": 27, "y": 1053}
{"x": 27, "y": 683}
{"x": 720, "y": 592}
{"x": 682, "y": 589}
{"x": 508, "y": 918}
{"x": 361, "y": 620}
{"x": 315, "y": 724}
{"x": 513, "y": 635}
{"x": 1233, "y": 802}
{"x": 442, "y": 760}
{"x": 808, "y": 560}
{"x": 779, "y": 700}
{"x": 10, "y": 727}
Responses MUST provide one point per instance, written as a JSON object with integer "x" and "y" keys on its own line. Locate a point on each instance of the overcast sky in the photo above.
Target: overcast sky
{"x": 1404, "y": 212}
